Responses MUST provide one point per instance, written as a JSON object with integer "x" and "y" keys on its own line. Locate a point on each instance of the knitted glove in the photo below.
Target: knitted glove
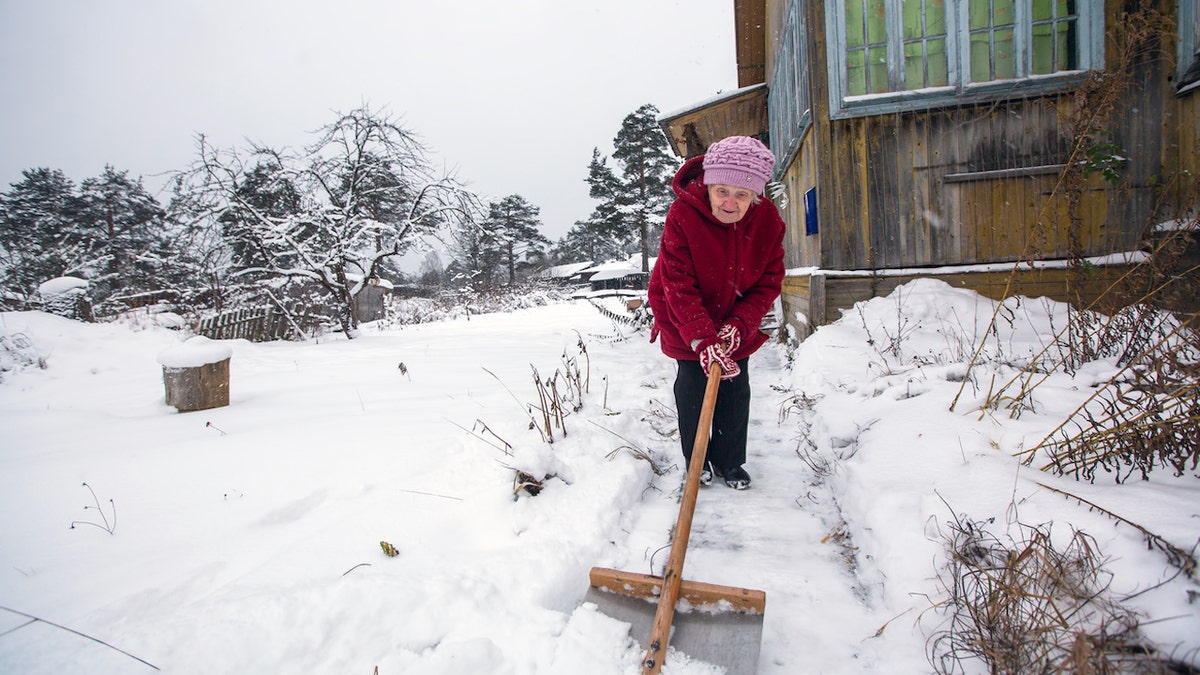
{"x": 715, "y": 353}
{"x": 730, "y": 337}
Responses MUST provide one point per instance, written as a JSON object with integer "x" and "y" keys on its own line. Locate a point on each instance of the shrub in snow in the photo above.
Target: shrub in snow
{"x": 465, "y": 302}
{"x": 17, "y": 353}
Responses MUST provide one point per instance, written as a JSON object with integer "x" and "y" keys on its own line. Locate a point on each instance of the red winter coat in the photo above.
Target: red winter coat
{"x": 709, "y": 273}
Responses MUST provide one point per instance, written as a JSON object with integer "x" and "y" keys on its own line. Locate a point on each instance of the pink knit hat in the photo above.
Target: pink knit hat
{"x": 740, "y": 161}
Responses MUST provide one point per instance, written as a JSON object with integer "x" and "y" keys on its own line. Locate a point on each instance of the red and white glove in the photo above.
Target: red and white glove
{"x": 715, "y": 353}
{"x": 730, "y": 337}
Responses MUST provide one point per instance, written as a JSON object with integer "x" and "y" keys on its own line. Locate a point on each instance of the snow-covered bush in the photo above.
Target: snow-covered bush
{"x": 17, "y": 353}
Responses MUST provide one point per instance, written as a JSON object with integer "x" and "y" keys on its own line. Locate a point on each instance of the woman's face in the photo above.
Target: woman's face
{"x": 729, "y": 203}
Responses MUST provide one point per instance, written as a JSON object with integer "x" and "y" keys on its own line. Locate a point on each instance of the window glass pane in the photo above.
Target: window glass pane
{"x": 981, "y": 57}
{"x": 925, "y": 65}
{"x": 939, "y": 69}
{"x": 979, "y": 14}
{"x": 924, "y": 24}
{"x": 876, "y": 21}
{"x": 1068, "y": 44}
{"x": 1043, "y": 49}
{"x": 914, "y": 65}
{"x": 1054, "y": 42}
{"x": 935, "y": 17}
{"x": 877, "y": 72}
{"x": 855, "y": 37}
{"x": 912, "y": 19}
{"x": 1041, "y": 9}
{"x": 1005, "y": 63}
{"x": 1002, "y": 13}
{"x": 857, "y": 72}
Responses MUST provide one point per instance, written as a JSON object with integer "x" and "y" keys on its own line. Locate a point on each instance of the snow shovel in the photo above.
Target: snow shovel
{"x": 718, "y": 624}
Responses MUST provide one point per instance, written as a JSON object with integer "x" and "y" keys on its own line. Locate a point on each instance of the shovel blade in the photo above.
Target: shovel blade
{"x": 728, "y": 634}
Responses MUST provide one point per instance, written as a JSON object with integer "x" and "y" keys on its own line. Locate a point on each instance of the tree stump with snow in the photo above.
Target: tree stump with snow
{"x": 196, "y": 374}
{"x": 67, "y": 297}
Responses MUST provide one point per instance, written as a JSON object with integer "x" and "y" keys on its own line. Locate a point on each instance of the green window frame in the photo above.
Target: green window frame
{"x": 897, "y": 54}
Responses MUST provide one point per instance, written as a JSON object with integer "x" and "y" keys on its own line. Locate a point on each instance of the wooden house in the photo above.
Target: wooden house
{"x": 1016, "y": 147}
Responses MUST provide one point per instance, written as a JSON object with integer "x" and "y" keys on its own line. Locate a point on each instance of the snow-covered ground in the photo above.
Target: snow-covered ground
{"x": 247, "y": 538}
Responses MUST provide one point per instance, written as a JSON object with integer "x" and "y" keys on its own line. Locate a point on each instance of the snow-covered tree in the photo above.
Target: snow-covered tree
{"x": 588, "y": 240}
{"x": 40, "y": 238}
{"x": 476, "y": 255}
{"x": 636, "y": 201}
{"x": 330, "y": 214}
{"x": 515, "y": 227}
{"x": 124, "y": 229}
{"x": 110, "y": 232}
{"x": 604, "y": 235}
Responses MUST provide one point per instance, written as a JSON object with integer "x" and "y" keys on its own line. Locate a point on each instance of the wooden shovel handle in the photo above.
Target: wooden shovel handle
{"x": 660, "y": 632}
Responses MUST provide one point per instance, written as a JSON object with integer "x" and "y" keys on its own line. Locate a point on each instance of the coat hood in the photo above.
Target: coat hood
{"x": 689, "y": 187}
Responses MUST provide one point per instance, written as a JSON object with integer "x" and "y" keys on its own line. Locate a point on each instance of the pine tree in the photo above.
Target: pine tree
{"x": 588, "y": 241}
{"x": 124, "y": 225}
{"x": 40, "y": 238}
{"x": 604, "y": 230}
{"x": 476, "y": 255}
{"x": 635, "y": 202}
{"x": 514, "y": 222}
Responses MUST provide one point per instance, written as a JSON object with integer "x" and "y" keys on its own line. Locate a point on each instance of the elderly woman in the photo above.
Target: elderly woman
{"x": 719, "y": 271}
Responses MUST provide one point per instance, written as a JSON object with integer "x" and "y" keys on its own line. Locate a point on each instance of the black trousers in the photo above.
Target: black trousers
{"x": 731, "y": 417}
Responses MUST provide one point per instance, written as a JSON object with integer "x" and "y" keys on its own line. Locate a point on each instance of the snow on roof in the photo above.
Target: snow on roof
{"x": 614, "y": 273}
{"x": 615, "y": 269}
{"x": 719, "y": 97}
{"x": 376, "y": 281}
{"x": 564, "y": 271}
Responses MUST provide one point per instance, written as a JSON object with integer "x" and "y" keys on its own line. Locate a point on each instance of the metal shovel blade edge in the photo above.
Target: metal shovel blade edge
{"x": 729, "y": 638}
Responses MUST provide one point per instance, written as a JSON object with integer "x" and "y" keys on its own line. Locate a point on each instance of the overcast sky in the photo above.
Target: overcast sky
{"x": 512, "y": 95}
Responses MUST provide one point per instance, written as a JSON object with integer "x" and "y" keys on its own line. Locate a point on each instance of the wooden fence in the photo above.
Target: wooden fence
{"x": 258, "y": 324}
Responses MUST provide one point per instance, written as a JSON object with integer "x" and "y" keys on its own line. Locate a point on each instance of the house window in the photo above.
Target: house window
{"x": 1051, "y": 32}
{"x": 789, "y": 103}
{"x": 898, "y": 54}
{"x": 920, "y": 34}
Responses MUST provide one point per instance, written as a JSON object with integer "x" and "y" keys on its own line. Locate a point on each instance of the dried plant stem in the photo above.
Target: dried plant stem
{"x": 35, "y": 619}
{"x": 1184, "y": 560}
{"x": 107, "y": 527}
{"x": 1130, "y": 365}
{"x": 1095, "y": 106}
{"x": 532, "y": 419}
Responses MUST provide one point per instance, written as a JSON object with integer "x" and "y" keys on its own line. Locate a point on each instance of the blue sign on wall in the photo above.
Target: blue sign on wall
{"x": 810, "y": 212}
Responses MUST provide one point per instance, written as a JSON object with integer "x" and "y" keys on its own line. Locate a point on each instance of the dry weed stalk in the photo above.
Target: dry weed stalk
{"x": 1184, "y": 561}
{"x": 1024, "y": 606}
{"x": 1145, "y": 416}
{"x": 555, "y": 405}
{"x": 1136, "y": 38}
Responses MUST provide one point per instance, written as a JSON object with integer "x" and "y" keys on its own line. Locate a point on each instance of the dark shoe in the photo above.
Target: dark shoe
{"x": 706, "y": 474}
{"x": 737, "y": 478}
